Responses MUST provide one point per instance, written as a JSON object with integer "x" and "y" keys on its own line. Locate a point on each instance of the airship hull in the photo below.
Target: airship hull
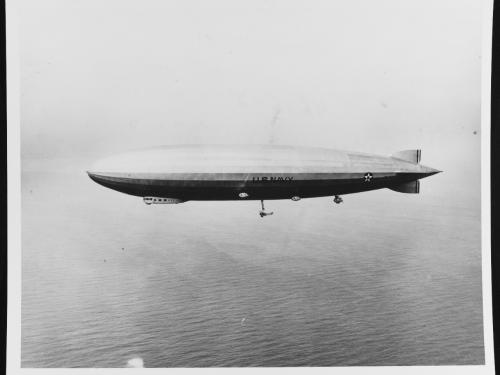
{"x": 252, "y": 172}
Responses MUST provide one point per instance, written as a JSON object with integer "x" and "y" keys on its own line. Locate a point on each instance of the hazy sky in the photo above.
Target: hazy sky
{"x": 98, "y": 77}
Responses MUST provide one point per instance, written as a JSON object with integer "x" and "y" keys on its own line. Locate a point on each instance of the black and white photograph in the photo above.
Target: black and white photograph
{"x": 265, "y": 184}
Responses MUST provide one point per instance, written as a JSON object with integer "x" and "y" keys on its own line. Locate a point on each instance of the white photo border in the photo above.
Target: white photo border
{"x": 13, "y": 363}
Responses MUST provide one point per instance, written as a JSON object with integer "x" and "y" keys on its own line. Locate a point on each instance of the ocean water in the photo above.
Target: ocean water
{"x": 382, "y": 279}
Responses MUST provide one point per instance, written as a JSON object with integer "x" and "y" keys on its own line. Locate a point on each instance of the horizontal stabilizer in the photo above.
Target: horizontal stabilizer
{"x": 412, "y": 187}
{"x": 413, "y": 156}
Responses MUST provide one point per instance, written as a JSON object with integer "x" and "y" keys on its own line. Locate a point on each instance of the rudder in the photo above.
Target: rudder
{"x": 412, "y": 187}
{"x": 412, "y": 156}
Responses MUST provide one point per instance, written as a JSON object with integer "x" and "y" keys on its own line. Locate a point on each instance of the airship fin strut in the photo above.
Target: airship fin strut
{"x": 412, "y": 187}
{"x": 412, "y": 156}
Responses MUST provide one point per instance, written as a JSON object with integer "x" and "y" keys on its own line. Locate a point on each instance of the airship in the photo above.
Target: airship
{"x": 181, "y": 173}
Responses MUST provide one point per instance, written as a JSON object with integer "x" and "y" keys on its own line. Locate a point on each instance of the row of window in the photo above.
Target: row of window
{"x": 149, "y": 199}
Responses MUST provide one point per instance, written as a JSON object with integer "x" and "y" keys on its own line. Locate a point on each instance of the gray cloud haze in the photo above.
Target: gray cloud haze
{"x": 99, "y": 77}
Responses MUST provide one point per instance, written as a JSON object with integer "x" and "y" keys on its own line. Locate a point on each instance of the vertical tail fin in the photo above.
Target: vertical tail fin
{"x": 413, "y": 156}
{"x": 412, "y": 187}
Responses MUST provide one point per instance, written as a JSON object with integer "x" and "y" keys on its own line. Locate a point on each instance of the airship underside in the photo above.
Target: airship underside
{"x": 175, "y": 174}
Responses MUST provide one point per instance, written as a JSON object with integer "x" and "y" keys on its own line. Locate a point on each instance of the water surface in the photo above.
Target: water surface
{"x": 382, "y": 279}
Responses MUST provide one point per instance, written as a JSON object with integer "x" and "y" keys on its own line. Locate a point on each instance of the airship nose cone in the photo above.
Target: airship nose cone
{"x": 91, "y": 174}
{"x": 94, "y": 177}
{"x": 98, "y": 171}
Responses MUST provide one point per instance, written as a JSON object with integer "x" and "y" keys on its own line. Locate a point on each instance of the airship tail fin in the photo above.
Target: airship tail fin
{"x": 413, "y": 156}
{"x": 412, "y": 187}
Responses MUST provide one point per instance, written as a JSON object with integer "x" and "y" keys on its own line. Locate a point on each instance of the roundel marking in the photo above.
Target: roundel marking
{"x": 368, "y": 177}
